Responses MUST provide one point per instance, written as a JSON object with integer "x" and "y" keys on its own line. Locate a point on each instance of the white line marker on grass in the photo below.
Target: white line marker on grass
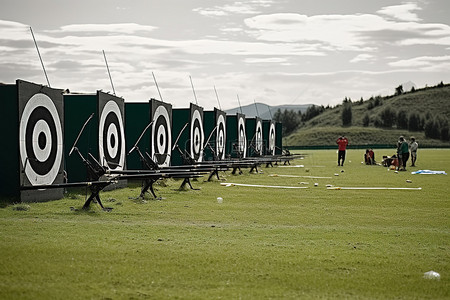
{"x": 263, "y": 186}
{"x": 296, "y": 176}
{"x": 372, "y": 188}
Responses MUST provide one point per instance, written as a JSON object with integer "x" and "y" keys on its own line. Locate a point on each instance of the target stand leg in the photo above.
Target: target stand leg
{"x": 215, "y": 172}
{"x": 235, "y": 169}
{"x": 269, "y": 164}
{"x": 254, "y": 167}
{"x": 188, "y": 182}
{"x": 146, "y": 186}
{"x": 95, "y": 190}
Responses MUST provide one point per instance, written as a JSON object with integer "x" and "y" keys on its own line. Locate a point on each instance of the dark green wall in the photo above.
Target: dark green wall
{"x": 180, "y": 116}
{"x": 209, "y": 124}
{"x": 278, "y": 138}
{"x": 77, "y": 109}
{"x": 137, "y": 117}
{"x": 9, "y": 150}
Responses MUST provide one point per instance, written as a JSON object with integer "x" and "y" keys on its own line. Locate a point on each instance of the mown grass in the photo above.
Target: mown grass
{"x": 259, "y": 243}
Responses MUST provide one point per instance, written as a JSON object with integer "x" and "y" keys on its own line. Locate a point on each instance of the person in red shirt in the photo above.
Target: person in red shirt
{"x": 342, "y": 142}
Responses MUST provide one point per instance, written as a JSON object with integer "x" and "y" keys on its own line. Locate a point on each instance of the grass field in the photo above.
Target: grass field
{"x": 260, "y": 243}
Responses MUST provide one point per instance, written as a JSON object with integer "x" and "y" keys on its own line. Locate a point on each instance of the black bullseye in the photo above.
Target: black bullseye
{"x": 42, "y": 140}
{"x": 39, "y": 166}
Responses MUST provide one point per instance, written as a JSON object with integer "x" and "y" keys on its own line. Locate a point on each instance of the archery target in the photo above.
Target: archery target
{"x": 197, "y": 136}
{"x": 111, "y": 137}
{"x": 220, "y": 137}
{"x": 161, "y": 137}
{"x": 259, "y": 137}
{"x": 242, "y": 138}
{"x": 40, "y": 140}
{"x": 272, "y": 138}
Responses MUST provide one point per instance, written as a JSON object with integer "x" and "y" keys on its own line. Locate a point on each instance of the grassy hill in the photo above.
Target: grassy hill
{"x": 325, "y": 128}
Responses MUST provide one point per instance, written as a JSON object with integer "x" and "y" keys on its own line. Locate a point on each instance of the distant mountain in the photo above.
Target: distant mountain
{"x": 265, "y": 111}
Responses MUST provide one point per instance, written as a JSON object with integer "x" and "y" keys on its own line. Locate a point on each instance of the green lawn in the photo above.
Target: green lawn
{"x": 259, "y": 243}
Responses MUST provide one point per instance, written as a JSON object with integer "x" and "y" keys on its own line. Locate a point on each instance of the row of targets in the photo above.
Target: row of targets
{"x": 178, "y": 136}
{"x": 44, "y": 123}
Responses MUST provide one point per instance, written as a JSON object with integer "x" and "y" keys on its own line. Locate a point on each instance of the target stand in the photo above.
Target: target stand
{"x": 269, "y": 137}
{"x": 236, "y": 146}
{"x": 214, "y": 123}
{"x": 254, "y": 132}
{"x": 32, "y": 149}
{"x": 188, "y": 139}
{"x": 103, "y": 138}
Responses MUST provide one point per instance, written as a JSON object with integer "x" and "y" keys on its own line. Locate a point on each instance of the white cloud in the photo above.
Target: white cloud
{"x": 14, "y": 30}
{"x": 342, "y": 32}
{"x": 362, "y": 57}
{"x": 357, "y": 32}
{"x": 236, "y": 8}
{"x": 402, "y": 12}
{"x": 251, "y": 60}
{"x": 421, "y": 61}
{"x": 119, "y": 28}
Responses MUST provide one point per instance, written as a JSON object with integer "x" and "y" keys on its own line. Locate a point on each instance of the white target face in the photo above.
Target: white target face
{"x": 242, "y": 138}
{"x": 111, "y": 137}
{"x": 272, "y": 138}
{"x": 161, "y": 137}
{"x": 259, "y": 138}
{"x": 40, "y": 140}
{"x": 197, "y": 136}
{"x": 220, "y": 139}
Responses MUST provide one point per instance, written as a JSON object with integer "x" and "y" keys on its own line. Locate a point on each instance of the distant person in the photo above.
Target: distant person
{"x": 369, "y": 157}
{"x": 402, "y": 153}
{"x": 342, "y": 142}
{"x": 413, "y": 146}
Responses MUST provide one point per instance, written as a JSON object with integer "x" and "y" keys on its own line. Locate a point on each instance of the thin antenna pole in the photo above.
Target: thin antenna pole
{"x": 257, "y": 112}
{"x": 239, "y": 101}
{"x": 217, "y": 96}
{"x": 195, "y": 96}
{"x": 40, "y": 58}
{"x": 110, "y": 78}
{"x": 156, "y": 83}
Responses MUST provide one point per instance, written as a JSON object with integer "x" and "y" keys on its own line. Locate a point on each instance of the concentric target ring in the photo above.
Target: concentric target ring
{"x": 220, "y": 139}
{"x": 40, "y": 140}
{"x": 197, "y": 136}
{"x": 161, "y": 137}
{"x": 272, "y": 138}
{"x": 111, "y": 137}
{"x": 242, "y": 139}
{"x": 259, "y": 139}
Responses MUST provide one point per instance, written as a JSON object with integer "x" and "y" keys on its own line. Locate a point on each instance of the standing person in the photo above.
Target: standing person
{"x": 413, "y": 145}
{"x": 342, "y": 142}
{"x": 403, "y": 153}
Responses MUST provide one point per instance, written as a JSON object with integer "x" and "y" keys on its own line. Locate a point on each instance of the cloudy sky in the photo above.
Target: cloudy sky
{"x": 270, "y": 51}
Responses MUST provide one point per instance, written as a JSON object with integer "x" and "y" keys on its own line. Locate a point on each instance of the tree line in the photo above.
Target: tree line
{"x": 434, "y": 126}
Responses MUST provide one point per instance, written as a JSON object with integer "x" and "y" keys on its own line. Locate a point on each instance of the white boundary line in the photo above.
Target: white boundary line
{"x": 228, "y": 184}
{"x": 297, "y": 176}
{"x": 373, "y": 188}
